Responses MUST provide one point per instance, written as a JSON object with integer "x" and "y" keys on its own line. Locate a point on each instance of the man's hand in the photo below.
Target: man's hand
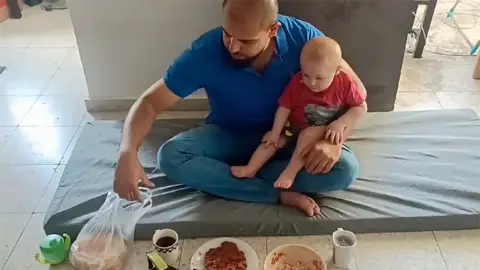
{"x": 128, "y": 173}
{"x": 321, "y": 157}
{"x": 271, "y": 138}
{"x": 335, "y": 131}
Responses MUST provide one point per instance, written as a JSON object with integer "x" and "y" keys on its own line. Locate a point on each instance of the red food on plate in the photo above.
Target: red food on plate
{"x": 225, "y": 257}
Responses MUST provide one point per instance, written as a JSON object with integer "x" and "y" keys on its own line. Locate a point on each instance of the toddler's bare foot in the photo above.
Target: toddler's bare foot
{"x": 285, "y": 180}
{"x": 301, "y": 202}
{"x": 242, "y": 172}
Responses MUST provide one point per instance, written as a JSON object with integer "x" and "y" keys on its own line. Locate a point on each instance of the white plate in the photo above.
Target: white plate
{"x": 197, "y": 262}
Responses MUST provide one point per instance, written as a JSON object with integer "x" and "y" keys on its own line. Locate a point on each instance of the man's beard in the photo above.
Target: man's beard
{"x": 246, "y": 62}
{"x": 243, "y": 63}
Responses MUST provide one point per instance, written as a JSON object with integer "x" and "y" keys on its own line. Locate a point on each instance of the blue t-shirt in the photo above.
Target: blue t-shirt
{"x": 240, "y": 99}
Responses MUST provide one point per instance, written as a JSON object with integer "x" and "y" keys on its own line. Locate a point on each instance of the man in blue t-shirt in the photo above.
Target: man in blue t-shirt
{"x": 244, "y": 67}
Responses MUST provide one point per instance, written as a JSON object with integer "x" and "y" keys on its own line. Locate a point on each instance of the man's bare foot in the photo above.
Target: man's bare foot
{"x": 285, "y": 180}
{"x": 242, "y": 172}
{"x": 301, "y": 202}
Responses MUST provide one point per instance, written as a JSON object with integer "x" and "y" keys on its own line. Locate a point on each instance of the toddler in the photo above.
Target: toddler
{"x": 321, "y": 101}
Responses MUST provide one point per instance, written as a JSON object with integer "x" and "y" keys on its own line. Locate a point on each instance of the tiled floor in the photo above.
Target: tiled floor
{"x": 42, "y": 114}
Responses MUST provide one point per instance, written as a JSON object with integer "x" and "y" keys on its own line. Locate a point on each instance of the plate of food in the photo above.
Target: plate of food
{"x": 294, "y": 257}
{"x": 224, "y": 254}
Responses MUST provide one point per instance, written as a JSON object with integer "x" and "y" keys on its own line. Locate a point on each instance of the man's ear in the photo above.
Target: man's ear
{"x": 274, "y": 29}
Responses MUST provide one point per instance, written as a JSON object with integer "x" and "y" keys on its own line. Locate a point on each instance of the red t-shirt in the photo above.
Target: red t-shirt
{"x": 310, "y": 108}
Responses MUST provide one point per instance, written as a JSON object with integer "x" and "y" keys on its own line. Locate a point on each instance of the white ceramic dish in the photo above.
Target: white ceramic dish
{"x": 277, "y": 257}
{"x": 197, "y": 262}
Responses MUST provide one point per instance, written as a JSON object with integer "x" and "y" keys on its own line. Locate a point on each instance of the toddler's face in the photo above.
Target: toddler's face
{"x": 318, "y": 76}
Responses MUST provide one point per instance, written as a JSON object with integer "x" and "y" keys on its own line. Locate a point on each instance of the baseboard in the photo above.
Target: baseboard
{"x": 108, "y": 105}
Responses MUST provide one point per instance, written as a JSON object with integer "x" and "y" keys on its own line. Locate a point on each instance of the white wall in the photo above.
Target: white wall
{"x": 126, "y": 45}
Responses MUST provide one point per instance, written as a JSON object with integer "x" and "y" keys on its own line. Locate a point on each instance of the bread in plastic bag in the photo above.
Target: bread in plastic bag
{"x": 105, "y": 241}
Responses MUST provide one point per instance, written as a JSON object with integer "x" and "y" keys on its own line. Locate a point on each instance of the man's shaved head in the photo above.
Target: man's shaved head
{"x": 248, "y": 27}
{"x": 264, "y": 12}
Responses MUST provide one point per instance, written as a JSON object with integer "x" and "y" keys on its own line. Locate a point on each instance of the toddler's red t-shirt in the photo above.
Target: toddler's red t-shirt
{"x": 310, "y": 108}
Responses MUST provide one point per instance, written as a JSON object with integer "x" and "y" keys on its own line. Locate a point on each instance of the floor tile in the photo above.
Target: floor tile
{"x": 9, "y": 55}
{"x": 439, "y": 74}
{"x": 458, "y": 100}
{"x": 190, "y": 245}
{"x": 11, "y": 227}
{"x": 20, "y": 33}
{"x": 398, "y": 251}
{"x": 5, "y": 134}
{"x": 259, "y": 244}
{"x": 460, "y": 249}
{"x": 414, "y": 101}
{"x": 41, "y": 57}
{"x": 50, "y": 190}
{"x": 72, "y": 61}
{"x": 407, "y": 85}
{"x": 38, "y": 28}
{"x": 27, "y": 80}
{"x": 23, "y": 186}
{"x": 55, "y": 111}
{"x": 322, "y": 244}
{"x": 139, "y": 259}
{"x": 37, "y": 145}
{"x": 14, "y": 108}
{"x": 67, "y": 82}
{"x": 15, "y": 36}
{"x": 22, "y": 256}
{"x": 64, "y": 38}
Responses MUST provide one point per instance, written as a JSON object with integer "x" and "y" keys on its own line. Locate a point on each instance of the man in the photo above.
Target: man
{"x": 244, "y": 67}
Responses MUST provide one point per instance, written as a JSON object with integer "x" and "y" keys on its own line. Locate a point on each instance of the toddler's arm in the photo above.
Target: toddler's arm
{"x": 353, "y": 115}
{"x": 281, "y": 117}
{"x": 339, "y": 130}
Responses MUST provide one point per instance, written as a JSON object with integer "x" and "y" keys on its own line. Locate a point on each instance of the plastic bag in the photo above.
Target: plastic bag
{"x": 104, "y": 242}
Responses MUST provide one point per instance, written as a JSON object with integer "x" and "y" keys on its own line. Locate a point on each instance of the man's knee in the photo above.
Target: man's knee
{"x": 347, "y": 168}
{"x": 170, "y": 154}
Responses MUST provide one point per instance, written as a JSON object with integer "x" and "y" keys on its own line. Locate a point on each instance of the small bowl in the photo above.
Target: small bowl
{"x": 294, "y": 253}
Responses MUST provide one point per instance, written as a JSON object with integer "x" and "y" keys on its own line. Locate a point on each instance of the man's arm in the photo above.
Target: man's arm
{"x": 143, "y": 113}
{"x": 347, "y": 69}
{"x": 139, "y": 121}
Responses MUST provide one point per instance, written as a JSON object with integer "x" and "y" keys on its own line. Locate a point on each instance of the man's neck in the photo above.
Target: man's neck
{"x": 261, "y": 63}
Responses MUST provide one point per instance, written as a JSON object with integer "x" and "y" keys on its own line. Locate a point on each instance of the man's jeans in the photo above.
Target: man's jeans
{"x": 201, "y": 158}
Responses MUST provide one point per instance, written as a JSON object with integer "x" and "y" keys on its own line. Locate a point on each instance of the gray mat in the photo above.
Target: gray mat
{"x": 419, "y": 171}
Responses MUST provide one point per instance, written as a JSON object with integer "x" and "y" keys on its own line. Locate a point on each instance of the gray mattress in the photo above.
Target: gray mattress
{"x": 419, "y": 171}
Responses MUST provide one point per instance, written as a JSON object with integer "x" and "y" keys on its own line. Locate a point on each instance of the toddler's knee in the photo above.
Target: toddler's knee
{"x": 312, "y": 133}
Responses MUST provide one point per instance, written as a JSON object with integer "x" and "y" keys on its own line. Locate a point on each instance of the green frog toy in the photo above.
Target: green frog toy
{"x": 53, "y": 249}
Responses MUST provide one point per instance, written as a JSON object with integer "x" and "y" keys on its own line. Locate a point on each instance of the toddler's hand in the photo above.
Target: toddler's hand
{"x": 271, "y": 139}
{"x": 335, "y": 132}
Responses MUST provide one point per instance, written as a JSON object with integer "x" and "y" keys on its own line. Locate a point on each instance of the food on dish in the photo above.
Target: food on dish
{"x": 225, "y": 257}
